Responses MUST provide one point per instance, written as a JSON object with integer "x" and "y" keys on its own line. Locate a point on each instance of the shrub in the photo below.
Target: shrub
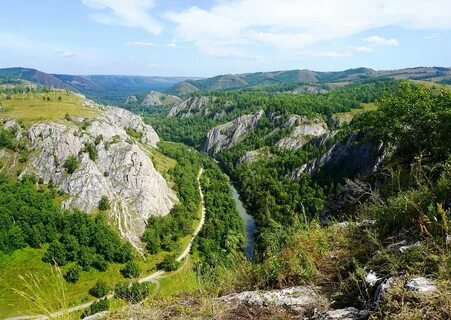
{"x": 56, "y": 254}
{"x": 100, "y": 289}
{"x": 104, "y": 203}
{"x": 96, "y": 307}
{"x": 100, "y": 263}
{"x": 73, "y": 274}
{"x": 92, "y": 151}
{"x": 169, "y": 263}
{"x": 131, "y": 270}
{"x": 134, "y": 293}
{"x": 71, "y": 164}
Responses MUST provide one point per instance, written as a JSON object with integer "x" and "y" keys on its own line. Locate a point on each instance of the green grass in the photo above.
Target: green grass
{"x": 31, "y": 107}
{"x": 348, "y": 116}
{"x": 183, "y": 280}
{"x": 162, "y": 163}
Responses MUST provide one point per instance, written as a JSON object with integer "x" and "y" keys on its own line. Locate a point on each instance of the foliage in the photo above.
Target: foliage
{"x": 73, "y": 274}
{"x": 134, "y": 293}
{"x": 96, "y": 307}
{"x": 104, "y": 203}
{"x": 131, "y": 269}
{"x": 133, "y": 133}
{"x": 169, "y": 263}
{"x": 100, "y": 289}
{"x": 71, "y": 164}
{"x": 163, "y": 233}
{"x": 91, "y": 150}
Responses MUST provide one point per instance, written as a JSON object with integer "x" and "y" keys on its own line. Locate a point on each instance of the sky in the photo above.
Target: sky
{"x": 205, "y": 38}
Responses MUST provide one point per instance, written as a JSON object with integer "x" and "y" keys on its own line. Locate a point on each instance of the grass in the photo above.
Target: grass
{"x": 348, "y": 116}
{"x": 162, "y": 163}
{"x": 34, "y": 107}
{"x": 183, "y": 280}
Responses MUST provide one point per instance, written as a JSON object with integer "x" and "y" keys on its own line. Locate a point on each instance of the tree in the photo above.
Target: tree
{"x": 96, "y": 307}
{"x": 131, "y": 270}
{"x": 73, "y": 274}
{"x": 169, "y": 263}
{"x": 71, "y": 164}
{"x": 104, "y": 203}
{"x": 56, "y": 254}
{"x": 100, "y": 289}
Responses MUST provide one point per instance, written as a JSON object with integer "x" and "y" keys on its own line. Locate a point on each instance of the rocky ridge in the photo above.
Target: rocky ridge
{"x": 304, "y": 131}
{"x": 229, "y": 134}
{"x": 190, "y": 106}
{"x": 111, "y": 163}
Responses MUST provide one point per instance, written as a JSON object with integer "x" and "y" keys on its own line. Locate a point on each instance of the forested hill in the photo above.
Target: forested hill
{"x": 268, "y": 79}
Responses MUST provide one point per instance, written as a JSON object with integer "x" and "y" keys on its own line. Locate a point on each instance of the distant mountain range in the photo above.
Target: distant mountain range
{"x": 107, "y": 88}
{"x": 262, "y": 79}
{"x": 116, "y": 88}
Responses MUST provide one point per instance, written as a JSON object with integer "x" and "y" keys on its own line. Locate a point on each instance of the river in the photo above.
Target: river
{"x": 249, "y": 225}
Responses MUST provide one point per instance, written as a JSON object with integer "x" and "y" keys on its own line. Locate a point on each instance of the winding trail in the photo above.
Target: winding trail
{"x": 153, "y": 278}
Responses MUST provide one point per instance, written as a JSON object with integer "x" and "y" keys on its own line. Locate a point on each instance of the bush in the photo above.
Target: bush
{"x": 100, "y": 263}
{"x": 100, "y": 289}
{"x": 71, "y": 164}
{"x": 56, "y": 254}
{"x": 104, "y": 203}
{"x": 134, "y": 293}
{"x": 131, "y": 270}
{"x": 92, "y": 151}
{"x": 73, "y": 274}
{"x": 96, "y": 307}
{"x": 169, "y": 263}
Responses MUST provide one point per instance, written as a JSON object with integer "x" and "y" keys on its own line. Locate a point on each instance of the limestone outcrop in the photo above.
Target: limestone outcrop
{"x": 304, "y": 131}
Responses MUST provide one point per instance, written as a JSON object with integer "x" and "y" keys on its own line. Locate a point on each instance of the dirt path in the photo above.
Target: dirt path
{"x": 153, "y": 278}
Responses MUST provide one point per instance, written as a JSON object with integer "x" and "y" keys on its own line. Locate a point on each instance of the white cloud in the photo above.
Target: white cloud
{"x": 378, "y": 41}
{"x": 240, "y": 26}
{"x": 153, "y": 65}
{"x": 171, "y": 45}
{"x": 140, "y": 43}
{"x": 128, "y": 13}
{"x": 66, "y": 54}
{"x": 433, "y": 36}
{"x": 363, "y": 49}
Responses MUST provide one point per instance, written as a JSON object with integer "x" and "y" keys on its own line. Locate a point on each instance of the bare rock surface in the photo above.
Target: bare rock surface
{"x": 298, "y": 299}
{"x": 350, "y": 313}
{"x": 189, "y": 107}
{"x": 122, "y": 169}
{"x": 229, "y": 134}
{"x": 304, "y": 131}
{"x": 255, "y": 155}
{"x": 155, "y": 98}
{"x": 421, "y": 284}
{"x": 131, "y": 99}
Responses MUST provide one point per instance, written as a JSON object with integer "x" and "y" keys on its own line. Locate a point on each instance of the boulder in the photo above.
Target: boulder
{"x": 350, "y": 313}
{"x": 421, "y": 284}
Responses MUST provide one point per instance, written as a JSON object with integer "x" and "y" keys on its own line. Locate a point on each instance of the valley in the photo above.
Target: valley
{"x": 315, "y": 197}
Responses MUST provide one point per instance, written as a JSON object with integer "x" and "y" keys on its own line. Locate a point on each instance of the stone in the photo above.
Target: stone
{"x": 190, "y": 106}
{"x": 304, "y": 131}
{"x": 155, "y": 98}
{"x": 297, "y": 299}
{"x": 403, "y": 249}
{"x": 421, "y": 284}
{"x": 350, "y": 313}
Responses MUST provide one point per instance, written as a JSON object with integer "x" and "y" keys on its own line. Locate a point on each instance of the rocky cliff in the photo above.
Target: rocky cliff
{"x": 189, "y": 107}
{"x": 303, "y": 131}
{"x": 229, "y": 134}
{"x": 350, "y": 157}
{"x": 155, "y": 98}
{"x": 112, "y": 155}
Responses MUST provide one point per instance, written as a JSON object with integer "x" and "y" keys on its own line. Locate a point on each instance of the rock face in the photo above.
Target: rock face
{"x": 190, "y": 106}
{"x": 305, "y": 130}
{"x": 229, "y": 134}
{"x": 347, "y": 158}
{"x": 421, "y": 284}
{"x": 122, "y": 169}
{"x": 298, "y": 299}
{"x": 155, "y": 98}
{"x": 256, "y": 155}
{"x": 350, "y": 313}
{"x": 131, "y": 99}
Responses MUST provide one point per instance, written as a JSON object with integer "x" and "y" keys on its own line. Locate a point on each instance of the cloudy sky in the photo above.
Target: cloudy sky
{"x": 209, "y": 37}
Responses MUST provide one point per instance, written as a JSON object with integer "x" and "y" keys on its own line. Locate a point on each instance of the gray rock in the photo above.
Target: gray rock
{"x": 403, "y": 249}
{"x": 305, "y": 130}
{"x": 131, "y": 99}
{"x": 255, "y": 155}
{"x": 190, "y": 106}
{"x": 381, "y": 290}
{"x": 155, "y": 98}
{"x": 229, "y": 134}
{"x": 295, "y": 298}
{"x": 421, "y": 284}
{"x": 346, "y": 158}
{"x": 123, "y": 170}
{"x": 350, "y": 313}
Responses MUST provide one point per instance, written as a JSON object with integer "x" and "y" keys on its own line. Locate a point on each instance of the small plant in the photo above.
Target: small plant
{"x": 131, "y": 270}
{"x": 71, "y": 164}
{"x": 67, "y": 116}
{"x": 73, "y": 274}
{"x": 92, "y": 151}
{"x": 98, "y": 139}
{"x": 133, "y": 133}
{"x": 100, "y": 289}
{"x": 104, "y": 203}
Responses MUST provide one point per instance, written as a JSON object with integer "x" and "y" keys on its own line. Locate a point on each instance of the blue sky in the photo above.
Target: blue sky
{"x": 205, "y": 38}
